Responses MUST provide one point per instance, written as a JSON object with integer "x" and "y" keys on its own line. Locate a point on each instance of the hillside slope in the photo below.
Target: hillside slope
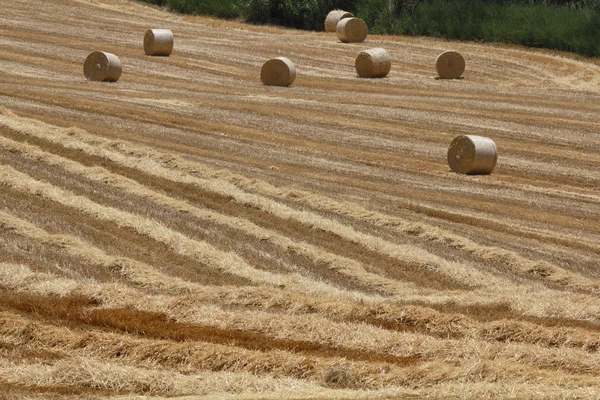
{"x": 188, "y": 231}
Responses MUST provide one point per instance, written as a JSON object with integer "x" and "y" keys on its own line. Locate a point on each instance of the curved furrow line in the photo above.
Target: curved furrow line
{"x": 258, "y": 108}
{"x": 188, "y": 231}
{"x": 255, "y": 247}
{"x": 185, "y": 357}
{"x": 207, "y": 254}
{"x": 136, "y": 272}
{"x": 101, "y": 375}
{"x": 470, "y": 189}
{"x": 15, "y": 248}
{"x": 112, "y": 239}
{"x": 373, "y": 373}
{"x": 498, "y": 183}
{"x": 401, "y": 252}
{"x": 571, "y": 175}
{"x": 368, "y": 327}
{"x": 343, "y": 265}
{"x": 74, "y": 312}
{"x": 546, "y": 270}
{"x": 529, "y": 231}
{"x": 246, "y": 184}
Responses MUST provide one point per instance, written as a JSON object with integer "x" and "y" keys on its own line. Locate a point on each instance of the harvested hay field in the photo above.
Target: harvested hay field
{"x": 189, "y": 231}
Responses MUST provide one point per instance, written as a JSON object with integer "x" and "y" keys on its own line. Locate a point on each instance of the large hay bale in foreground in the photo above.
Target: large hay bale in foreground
{"x": 102, "y": 66}
{"x": 471, "y": 154}
{"x": 158, "y": 42}
{"x": 450, "y": 65}
{"x": 351, "y": 30}
{"x": 373, "y": 63}
{"x": 278, "y": 71}
{"x": 334, "y": 17}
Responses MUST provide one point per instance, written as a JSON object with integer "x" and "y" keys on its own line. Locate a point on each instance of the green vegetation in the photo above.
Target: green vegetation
{"x": 554, "y": 24}
{"x": 303, "y": 14}
{"x": 216, "y": 8}
{"x": 569, "y": 28}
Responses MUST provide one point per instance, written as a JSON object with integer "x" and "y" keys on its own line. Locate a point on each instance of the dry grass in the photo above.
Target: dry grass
{"x": 188, "y": 232}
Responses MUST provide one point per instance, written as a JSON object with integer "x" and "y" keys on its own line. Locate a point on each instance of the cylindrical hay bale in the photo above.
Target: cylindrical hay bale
{"x": 102, "y": 66}
{"x": 278, "y": 71}
{"x": 450, "y": 65}
{"x": 470, "y": 154}
{"x": 373, "y": 63}
{"x": 351, "y": 30}
{"x": 158, "y": 42}
{"x": 334, "y": 17}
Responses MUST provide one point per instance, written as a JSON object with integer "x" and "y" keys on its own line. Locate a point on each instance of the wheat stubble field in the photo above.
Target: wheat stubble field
{"x": 188, "y": 231}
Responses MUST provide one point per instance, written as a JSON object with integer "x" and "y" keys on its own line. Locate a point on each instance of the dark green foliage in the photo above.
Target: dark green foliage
{"x": 569, "y": 25}
{"x": 519, "y": 22}
{"x": 217, "y": 8}
{"x": 305, "y": 14}
{"x": 157, "y": 2}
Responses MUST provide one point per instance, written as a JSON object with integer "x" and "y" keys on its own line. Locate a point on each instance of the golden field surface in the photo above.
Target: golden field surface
{"x": 187, "y": 231}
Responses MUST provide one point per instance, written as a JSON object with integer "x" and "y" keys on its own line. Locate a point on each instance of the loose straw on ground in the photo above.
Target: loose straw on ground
{"x": 278, "y": 71}
{"x": 102, "y": 66}
{"x": 471, "y": 154}
{"x": 351, "y": 30}
{"x": 158, "y": 42}
{"x": 334, "y": 17}
{"x": 450, "y": 65}
{"x": 373, "y": 63}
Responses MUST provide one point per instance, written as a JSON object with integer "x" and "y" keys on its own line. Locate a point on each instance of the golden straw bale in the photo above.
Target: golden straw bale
{"x": 351, "y": 30}
{"x": 373, "y": 63}
{"x": 158, "y": 42}
{"x": 450, "y": 65}
{"x": 334, "y": 17}
{"x": 471, "y": 154}
{"x": 102, "y": 66}
{"x": 278, "y": 71}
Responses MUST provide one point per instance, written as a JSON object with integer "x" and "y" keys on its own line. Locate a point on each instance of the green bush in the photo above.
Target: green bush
{"x": 568, "y": 25}
{"x": 157, "y": 2}
{"x": 217, "y": 8}
{"x": 525, "y": 22}
{"x": 304, "y": 14}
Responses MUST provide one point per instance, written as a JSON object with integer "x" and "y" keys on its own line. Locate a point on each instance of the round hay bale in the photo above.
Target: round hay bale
{"x": 450, "y": 65}
{"x": 334, "y": 17}
{"x": 351, "y": 30}
{"x": 102, "y": 66}
{"x": 470, "y": 154}
{"x": 278, "y": 71}
{"x": 373, "y": 63}
{"x": 158, "y": 42}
